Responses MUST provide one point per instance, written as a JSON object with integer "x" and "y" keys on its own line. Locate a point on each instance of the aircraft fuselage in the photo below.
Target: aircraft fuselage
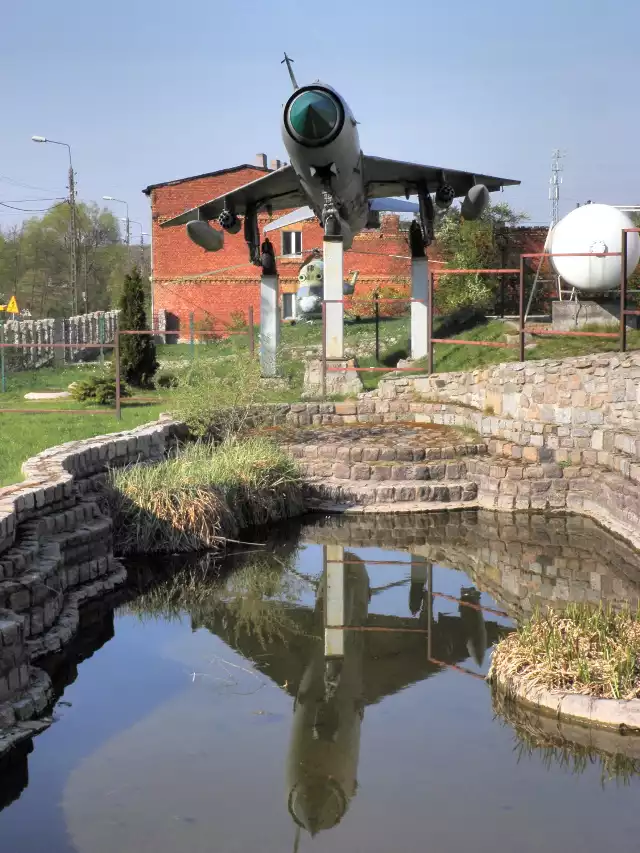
{"x": 320, "y": 134}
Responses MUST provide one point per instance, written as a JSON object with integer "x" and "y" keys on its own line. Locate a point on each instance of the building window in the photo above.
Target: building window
{"x": 292, "y": 242}
{"x": 288, "y": 306}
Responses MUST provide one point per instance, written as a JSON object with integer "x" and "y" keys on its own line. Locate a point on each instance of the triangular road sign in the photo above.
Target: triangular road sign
{"x": 12, "y": 307}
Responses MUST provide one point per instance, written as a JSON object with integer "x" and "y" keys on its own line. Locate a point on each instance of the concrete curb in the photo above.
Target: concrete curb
{"x": 619, "y": 714}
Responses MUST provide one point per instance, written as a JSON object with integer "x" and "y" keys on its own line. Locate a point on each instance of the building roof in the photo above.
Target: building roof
{"x": 147, "y": 190}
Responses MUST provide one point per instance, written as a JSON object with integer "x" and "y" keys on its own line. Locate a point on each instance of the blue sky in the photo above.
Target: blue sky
{"x": 150, "y": 90}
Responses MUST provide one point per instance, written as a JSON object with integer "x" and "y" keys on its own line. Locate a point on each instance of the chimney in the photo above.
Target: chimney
{"x": 261, "y": 161}
{"x": 276, "y": 164}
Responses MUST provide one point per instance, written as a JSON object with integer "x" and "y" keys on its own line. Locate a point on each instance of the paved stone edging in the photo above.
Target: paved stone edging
{"x": 56, "y": 552}
{"x": 620, "y": 714}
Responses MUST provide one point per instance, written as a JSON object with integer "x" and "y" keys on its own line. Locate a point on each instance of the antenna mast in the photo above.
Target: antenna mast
{"x": 554, "y": 186}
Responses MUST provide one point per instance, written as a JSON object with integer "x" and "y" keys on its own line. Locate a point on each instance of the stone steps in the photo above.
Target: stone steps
{"x": 355, "y": 451}
{"x": 392, "y": 472}
{"x": 354, "y": 493}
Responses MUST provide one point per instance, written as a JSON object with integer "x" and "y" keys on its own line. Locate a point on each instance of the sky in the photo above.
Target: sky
{"x": 147, "y": 91}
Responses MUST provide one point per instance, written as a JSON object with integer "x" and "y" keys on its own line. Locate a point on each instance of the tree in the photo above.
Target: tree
{"x": 34, "y": 261}
{"x": 471, "y": 245}
{"x": 137, "y": 352}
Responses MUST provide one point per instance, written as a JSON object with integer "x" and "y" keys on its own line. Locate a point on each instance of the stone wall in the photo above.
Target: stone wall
{"x": 55, "y": 553}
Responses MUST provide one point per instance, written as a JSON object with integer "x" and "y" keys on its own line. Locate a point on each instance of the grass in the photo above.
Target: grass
{"x": 202, "y": 495}
{"x": 585, "y": 650}
{"x": 24, "y": 435}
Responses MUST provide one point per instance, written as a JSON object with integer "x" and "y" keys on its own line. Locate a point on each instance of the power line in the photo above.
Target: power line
{"x": 25, "y": 200}
{"x": 6, "y": 179}
{"x": 33, "y": 209}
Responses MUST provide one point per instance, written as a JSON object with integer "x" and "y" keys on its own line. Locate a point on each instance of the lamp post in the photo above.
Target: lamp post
{"x": 73, "y": 269}
{"x": 126, "y": 204}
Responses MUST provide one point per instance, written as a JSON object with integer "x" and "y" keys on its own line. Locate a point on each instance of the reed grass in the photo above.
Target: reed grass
{"x": 586, "y": 650}
{"x": 202, "y": 495}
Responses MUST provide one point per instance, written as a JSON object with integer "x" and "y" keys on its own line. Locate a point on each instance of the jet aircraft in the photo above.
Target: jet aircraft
{"x": 331, "y": 178}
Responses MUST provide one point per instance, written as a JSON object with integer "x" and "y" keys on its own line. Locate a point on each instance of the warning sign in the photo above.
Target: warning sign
{"x": 12, "y": 307}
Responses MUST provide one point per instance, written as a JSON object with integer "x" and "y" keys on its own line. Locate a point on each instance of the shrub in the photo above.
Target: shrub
{"x": 363, "y": 306}
{"x": 166, "y": 380}
{"x": 206, "y": 324}
{"x": 218, "y": 404}
{"x": 237, "y": 322}
{"x": 137, "y": 352}
{"x": 100, "y": 389}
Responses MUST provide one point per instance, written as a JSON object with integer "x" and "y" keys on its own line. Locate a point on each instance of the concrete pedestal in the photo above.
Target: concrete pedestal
{"x": 333, "y": 256}
{"x": 269, "y": 324}
{"x": 341, "y": 382}
{"x": 573, "y": 316}
{"x": 419, "y": 310}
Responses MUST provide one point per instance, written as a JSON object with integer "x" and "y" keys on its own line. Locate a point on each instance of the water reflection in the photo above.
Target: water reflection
{"x": 339, "y": 629}
{"x": 332, "y": 655}
{"x": 569, "y": 746}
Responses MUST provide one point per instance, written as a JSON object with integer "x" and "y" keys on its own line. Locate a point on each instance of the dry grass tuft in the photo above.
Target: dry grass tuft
{"x": 594, "y": 652}
{"x": 202, "y": 495}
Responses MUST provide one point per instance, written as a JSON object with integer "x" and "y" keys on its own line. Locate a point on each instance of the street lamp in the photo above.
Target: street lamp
{"x": 126, "y": 204}
{"x": 73, "y": 270}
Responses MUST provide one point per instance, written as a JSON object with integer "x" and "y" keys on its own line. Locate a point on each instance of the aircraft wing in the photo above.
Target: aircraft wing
{"x": 384, "y": 177}
{"x": 395, "y": 205}
{"x": 280, "y": 190}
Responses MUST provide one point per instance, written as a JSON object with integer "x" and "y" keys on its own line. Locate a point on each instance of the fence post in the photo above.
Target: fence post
{"x": 432, "y": 280}
{"x": 116, "y": 356}
{"x": 623, "y": 292}
{"x": 101, "y": 337}
{"x": 377, "y": 315}
{"x": 192, "y": 340}
{"x": 521, "y": 310}
{"x": 252, "y": 340}
{"x": 3, "y": 379}
{"x": 324, "y": 350}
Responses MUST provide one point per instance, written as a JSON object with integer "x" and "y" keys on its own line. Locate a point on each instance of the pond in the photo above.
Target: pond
{"x": 326, "y": 693}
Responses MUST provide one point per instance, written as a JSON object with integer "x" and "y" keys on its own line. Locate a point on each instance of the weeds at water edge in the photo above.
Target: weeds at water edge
{"x": 592, "y": 651}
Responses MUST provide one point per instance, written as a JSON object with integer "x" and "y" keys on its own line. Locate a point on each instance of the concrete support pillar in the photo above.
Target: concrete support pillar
{"x": 334, "y": 613}
{"x": 333, "y": 250}
{"x": 269, "y": 324}
{"x": 419, "y": 310}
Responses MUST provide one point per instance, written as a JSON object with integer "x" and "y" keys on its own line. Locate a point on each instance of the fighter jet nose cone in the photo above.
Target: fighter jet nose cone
{"x": 313, "y": 116}
{"x": 317, "y": 804}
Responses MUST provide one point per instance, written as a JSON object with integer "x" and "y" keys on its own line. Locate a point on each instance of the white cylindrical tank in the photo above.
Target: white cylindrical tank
{"x": 595, "y": 228}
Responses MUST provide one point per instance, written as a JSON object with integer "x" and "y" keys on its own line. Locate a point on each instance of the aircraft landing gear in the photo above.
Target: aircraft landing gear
{"x": 330, "y": 217}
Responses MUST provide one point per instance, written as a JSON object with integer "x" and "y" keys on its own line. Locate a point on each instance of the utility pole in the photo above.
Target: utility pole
{"x": 73, "y": 267}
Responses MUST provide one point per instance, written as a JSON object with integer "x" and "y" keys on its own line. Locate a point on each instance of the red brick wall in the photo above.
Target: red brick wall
{"x": 176, "y": 260}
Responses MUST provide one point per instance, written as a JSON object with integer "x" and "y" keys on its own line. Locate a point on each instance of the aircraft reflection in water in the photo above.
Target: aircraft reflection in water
{"x": 338, "y": 658}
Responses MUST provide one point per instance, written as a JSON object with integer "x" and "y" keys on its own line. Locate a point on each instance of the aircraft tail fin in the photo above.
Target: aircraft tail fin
{"x": 288, "y": 61}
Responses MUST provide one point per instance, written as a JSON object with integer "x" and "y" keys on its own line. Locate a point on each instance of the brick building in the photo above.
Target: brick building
{"x": 186, "y": 279}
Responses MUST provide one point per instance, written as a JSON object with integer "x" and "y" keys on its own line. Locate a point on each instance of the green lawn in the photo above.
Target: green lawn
{"x": 24, "y": 435}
